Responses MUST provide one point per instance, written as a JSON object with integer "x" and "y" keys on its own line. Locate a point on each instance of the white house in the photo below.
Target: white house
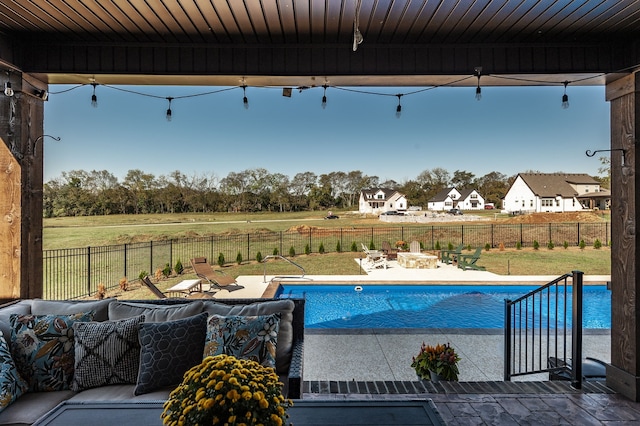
{"x": 378, "y": 200}
{"x": 555, "y": 192}
{"x": 470, "y": 199}
{"x": 444, "y": 200}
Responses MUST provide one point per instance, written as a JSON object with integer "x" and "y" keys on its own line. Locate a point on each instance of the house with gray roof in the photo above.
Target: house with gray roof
{"x": 379, "y": 200}
{"x": 555, "y": 192}
{"x": 449, "y": 198}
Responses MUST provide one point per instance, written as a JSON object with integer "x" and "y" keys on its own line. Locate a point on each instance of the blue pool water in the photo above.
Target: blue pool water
{"x": 401, "y": 306}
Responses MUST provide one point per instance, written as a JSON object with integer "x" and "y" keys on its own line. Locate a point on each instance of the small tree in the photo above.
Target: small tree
{"x": 550, "y": 245}
{"x": 259, "y": 257}
{"x": 307, "y": 250}
{"x": 321, "y": 248}
{"x": 450, "y": 246}
{"x": 338, "y": 247}
{"x": 239, "y": 258}
{"x": 102, "y": 291}
{"x": 158, "y": 274}
{"x": 178, "y": 268}
{"x": 437, "y": 246}
{"x": 354, "y": 247}
{"x": 565, "y": 245}
{"x": 518, "y": 245}
{"x": 292, "y": 252}
{"x": 536, "y": 245}
{"x": 275, "y": 251}
{"x": 582, "y": 245}
{"x": 221, "y": 260}
{"x": 142, "y": 274}
{"x": 501, "y": 246}
{"x": 124, "y": 284}
{"x": 468, "y": 247}
{"x": 372, "y": 246}
{"x": 166, "y": 271}
{"x": 487, "y": 247}
{"x": 597, "y": 244}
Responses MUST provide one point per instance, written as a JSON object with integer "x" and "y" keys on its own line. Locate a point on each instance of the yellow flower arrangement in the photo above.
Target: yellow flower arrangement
{"x": 224, "y": 390}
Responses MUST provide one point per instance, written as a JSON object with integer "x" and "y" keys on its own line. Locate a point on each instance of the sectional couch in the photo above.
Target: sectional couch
{"x": 115, "y": 350}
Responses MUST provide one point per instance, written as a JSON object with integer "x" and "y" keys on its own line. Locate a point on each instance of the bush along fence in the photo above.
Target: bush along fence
{"x": 78, "y": 272}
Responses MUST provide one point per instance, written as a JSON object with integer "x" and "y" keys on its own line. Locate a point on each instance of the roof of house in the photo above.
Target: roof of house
{"x": 554, "y": 184}
{"x": 388, "y": 193}
{"x": 464, "y": 193}
{"x": 442, "y": 195}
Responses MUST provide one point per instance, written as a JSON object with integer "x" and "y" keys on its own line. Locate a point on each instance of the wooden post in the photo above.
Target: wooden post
{"x": 623, "y": 374}
{"x": 21, "y": 154}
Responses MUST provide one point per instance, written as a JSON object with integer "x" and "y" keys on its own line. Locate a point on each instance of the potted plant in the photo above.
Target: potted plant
{"x": 439, "y": 362}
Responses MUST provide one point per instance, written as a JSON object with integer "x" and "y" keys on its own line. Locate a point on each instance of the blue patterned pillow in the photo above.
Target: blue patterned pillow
{"x": 43, "y": 349}
{"x": 168, "y": 350}
{"x": 248, "y": 337}
{"x": 11, "y": 384}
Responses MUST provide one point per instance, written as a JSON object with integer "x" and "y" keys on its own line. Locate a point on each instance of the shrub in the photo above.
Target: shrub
{"x": 468, "y": 247}
{"x": 307, "y": 249}
{"x": 518, "y": 245}
{"x": 582, "y": 245}
{"x": 292, "y": 252}
{"x": 259, "y": 257}
{"x": 550, "y": 245}
{"x": 565, "y": 245}
{"x": 124, "y": 284}
{"x": 321, "y": 248}
{"x": 275, "y": 251}
{"x": 501, "y": 246}
{"x": 221, "y": 260}
{"x": 487, "y": 247}
{"x": 450, "y": 246}
{"x": 178, "y": 268}
{"x": 437, "y": 247}
{"x": 102, "y": 291}
{"x": 536, "y": 245}
{"x": 166, "y": 271}
{"x": 239, "y": 258}
{"x": 142, "y": 274}
{"x": 158, "y": 274}
{"x": 338, "y": 247}
{"x": 354, "y": 247}
{"x": 372, "y": 246}
{"x": 421, "y": 246}
{"x": 597, "y": 244}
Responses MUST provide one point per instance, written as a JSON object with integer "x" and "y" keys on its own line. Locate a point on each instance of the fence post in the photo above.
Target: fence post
{"x": 578, "y": 230}
{"x": 281, "y": 242}
{"x": 507, "y": 340}
{"x": 170, "y": 253}
{"x": 461, "y": 234}
{"x": 576, "y": 331}
{"x": 248, "y": 247}
{"x": 89, "y": 271}
{"x": 125, "y": 260}
{"x": 521, "y": 238}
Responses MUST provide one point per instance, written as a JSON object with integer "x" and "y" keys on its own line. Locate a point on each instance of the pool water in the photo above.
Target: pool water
{"x": 402, "y": 306}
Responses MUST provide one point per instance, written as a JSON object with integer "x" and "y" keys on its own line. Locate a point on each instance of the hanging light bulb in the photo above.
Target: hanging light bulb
{"x": 94, "y": 98}
{"x": 324, "y": 97}
{"x": 8, "y": 91}
{"x": 245, "y": 100}
{"x": 399, "y": 107}
{"x": 478, "y": 72}
{"x": 565, "y": 97}
{"x": 169, "y": 109}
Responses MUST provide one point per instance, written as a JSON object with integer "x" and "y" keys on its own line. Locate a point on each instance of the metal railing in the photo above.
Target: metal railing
{"x": 543, "y": 330}
{"x": 277, "y": 256}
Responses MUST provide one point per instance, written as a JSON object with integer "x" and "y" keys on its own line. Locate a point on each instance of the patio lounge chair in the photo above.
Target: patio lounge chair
{"x": 146, "y": 281}
{"x": 391, "y": 253}
{"x": 592, "y": 369}
{"x": 215, "y": 279}
{"x": 375, "y": 258}
{"x": 469, "y": 261}
{"x": 450, "y": 256}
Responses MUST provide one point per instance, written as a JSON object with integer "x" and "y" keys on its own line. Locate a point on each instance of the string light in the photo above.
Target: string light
{"x": 565, "y": 97}
{"x": 324, "y": 96}
{"x": 399, "y": 107}
{"x": 478, "y": 72}
{"x": 357, "y": 35}
{"x": 245, "y": 100}
{"x": 94, "y": 98}
{"x": 8, "y": 90}
{"x": 169, "y": 98}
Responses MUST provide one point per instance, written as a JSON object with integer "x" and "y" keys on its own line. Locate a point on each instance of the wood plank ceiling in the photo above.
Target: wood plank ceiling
{"x": 319, "y": 24}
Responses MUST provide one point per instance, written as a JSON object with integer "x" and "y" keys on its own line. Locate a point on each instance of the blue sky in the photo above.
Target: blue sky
{"x": 510, "y": 130}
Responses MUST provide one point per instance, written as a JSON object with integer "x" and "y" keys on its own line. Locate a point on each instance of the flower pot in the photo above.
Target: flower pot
{"x": 435, "y": 377}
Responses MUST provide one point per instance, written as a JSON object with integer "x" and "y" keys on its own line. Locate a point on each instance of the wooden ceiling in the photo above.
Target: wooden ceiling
{"x": 316, "y": 25}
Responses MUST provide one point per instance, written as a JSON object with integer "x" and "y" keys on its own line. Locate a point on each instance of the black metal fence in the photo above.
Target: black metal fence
{"x": 76, "y": 272}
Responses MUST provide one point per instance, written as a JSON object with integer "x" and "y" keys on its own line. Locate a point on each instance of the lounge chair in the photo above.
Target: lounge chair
{"x": 375, "y": 258}
{"x": 414, "y": 247}
{"x": 146, "y": 281}
{"x": 469, "y": 261}
{"x": 592, "y": 369}
{"x": 215, "y": 279}
{"x": 450, "y": 256}
{"x": 391, "y": 253}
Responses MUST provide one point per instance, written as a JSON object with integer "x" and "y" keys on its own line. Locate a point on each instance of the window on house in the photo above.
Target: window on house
{"x": 522, "y": 203}
{"x": 530, "y": 203}
{"x": 547, "y": 202}
{"x": 557, "y": 203}
{"x": 474, "y": 196}
{"x": 380, "y": 196}
{"x": 448, "y": 203}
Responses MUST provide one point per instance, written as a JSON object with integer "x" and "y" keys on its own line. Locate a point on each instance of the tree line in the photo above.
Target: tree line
{"x": 82, "y": 193}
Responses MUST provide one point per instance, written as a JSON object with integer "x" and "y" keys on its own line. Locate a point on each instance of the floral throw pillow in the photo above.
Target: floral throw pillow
{"x": 43, "y": 349}
{"x": 248, "y": 337}
{"x": 11, "y": 384}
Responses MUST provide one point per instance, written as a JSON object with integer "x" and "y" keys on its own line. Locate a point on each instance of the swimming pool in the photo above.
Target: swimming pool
{"x": 407, "y": 306}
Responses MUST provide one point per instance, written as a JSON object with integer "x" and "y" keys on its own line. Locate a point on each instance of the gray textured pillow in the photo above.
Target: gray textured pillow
{"x": 168, "y": 350}
{"x": 153, "y": 313}
{"x": 285, "y": 333}
{"x": 106, "y": 353}
{"x": 100, "y": 308}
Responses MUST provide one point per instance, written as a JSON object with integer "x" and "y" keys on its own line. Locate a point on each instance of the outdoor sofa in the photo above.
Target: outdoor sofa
{"x": 166, "y": 332}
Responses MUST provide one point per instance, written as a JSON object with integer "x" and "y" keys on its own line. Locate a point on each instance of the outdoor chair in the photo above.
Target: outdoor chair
{"x": 450, "y": 256}
{"x": 469, "y": 261}
{"x": 146, "y": 281}
{"x": 414, "y": 247}
{"x": 592, "y": 369}
{"x": 215, "y": 279}
{"x": 391, "y": 253}
{"x": 375, "y": 258}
